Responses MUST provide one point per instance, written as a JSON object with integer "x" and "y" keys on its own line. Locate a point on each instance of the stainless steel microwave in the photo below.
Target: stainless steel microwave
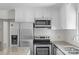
{"x": 42, "y": 22}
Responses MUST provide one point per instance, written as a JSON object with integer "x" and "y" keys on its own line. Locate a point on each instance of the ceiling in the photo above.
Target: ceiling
{"x": 14, "y": 5}
{"x": 27, "y": 5}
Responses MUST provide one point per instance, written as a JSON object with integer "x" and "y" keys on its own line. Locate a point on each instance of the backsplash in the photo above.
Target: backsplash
{"x": 70, "y": 37}
{"x": 63, "y": 35}
{"x": 57, "y": 35}
{"x": 42, "y": 32}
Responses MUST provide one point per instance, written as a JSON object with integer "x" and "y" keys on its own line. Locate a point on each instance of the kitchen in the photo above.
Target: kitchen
{"x": 39, "y": 29}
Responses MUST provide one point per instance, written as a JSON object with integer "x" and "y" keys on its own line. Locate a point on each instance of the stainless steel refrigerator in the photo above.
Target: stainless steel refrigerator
{"x": 22, "y": 34}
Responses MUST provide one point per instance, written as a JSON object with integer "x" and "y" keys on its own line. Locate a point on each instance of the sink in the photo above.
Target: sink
{"x": 71, "y": 50}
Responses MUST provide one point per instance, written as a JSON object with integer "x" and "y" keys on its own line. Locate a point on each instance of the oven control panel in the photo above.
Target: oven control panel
{"x": 41, "y": 37}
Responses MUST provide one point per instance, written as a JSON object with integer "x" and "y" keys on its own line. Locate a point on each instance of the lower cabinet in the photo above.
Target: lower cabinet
{"x": 56, "y": 50}
{"x": 53, "y": 49}
{"x": 59, "y": 52}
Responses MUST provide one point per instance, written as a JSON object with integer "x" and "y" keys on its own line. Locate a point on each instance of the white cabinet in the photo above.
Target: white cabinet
{"x": 11, "y": 14}
{"x": 68, "y": 16}
{"x": 24, "y": 15}
{"x": 19, "y": 16}
{"x": 7, "y": 14}
{"x": 77, "y": 20}
{"x": 3, "y": 14}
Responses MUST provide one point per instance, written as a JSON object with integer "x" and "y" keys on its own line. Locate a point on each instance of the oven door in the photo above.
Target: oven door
{"x": 42, "y": 49}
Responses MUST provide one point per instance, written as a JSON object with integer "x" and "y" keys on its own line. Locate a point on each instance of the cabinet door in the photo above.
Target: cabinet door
{"x": 7, "y": 14}
{"x": 11, "y": 14}
{"x": 77, "y": 22}
{"x": 67, "y": 17}
{"x": 58, "y": 52}
{"x": 3, "y": 14}
{"x": 23, "y": 15}
{"x": 53, "y": 49}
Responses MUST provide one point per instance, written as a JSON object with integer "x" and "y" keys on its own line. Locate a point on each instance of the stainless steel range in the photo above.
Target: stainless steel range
{"x": 42, "y": 47}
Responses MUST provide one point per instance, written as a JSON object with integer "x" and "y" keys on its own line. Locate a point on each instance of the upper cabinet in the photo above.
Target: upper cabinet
{"x": 7, "y": 14}
{"x": 77, "y": 20}
{"x": 11, "y": 14}
{"x": 63, "y": 17}
{"x": 29, "y": 13}
{"x": 68, "y": 16}
{"x": 24, "y": 15}
{"x": 3, "y": 14}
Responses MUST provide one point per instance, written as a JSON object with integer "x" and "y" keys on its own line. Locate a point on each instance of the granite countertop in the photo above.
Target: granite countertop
{"x": 62, "y": 45}
{"x": 15, "y": 51}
